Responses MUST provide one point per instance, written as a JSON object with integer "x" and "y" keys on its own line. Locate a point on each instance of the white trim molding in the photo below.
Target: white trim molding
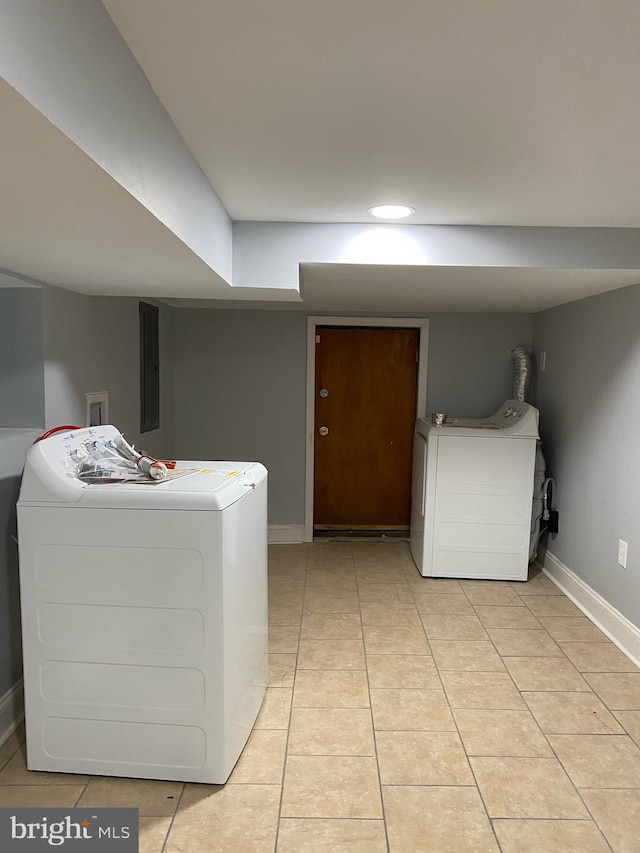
{"x": 286, "y": 534}
{"x": 611, "y": 622}
{"x": 11, "y": 710}
{"x": 421, "y": 323}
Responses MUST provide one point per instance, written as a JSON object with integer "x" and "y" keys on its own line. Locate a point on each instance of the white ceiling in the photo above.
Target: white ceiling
{"x": 419, "y": 289}
{"x": 501, "y": 289}
{"x": 475, "y": 112}
{"x": 64, "y": 221}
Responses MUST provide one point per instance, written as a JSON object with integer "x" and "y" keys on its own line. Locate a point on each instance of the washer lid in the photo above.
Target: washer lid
{"x": 198, "y": 485}
{"x": 203, "y": 486}
{"x": 207, "y": 486}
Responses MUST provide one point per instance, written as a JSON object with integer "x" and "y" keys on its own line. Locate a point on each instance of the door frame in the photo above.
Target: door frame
{"x": 313, "y": 323}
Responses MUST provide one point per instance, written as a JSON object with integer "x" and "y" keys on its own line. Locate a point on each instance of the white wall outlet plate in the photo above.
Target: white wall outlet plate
{"x": 97, "y": 412}
{"x": 622, "y": 553}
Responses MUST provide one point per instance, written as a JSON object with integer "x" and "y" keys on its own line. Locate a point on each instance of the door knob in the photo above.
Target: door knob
{"x": 323, "y": 431}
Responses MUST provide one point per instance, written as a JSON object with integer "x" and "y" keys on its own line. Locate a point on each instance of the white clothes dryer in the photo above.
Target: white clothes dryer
{"x": 144, "y": 615}
{"x": 472, "y": 491}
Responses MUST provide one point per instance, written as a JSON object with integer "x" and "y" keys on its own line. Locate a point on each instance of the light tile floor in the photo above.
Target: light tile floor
{"x": 407, "y": 715}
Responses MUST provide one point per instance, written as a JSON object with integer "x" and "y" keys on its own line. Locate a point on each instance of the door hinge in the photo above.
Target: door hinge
{"x": 317, "y": 339}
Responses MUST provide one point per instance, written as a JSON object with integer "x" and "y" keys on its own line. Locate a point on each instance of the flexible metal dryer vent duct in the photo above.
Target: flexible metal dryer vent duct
{"x": 522, "y": 362}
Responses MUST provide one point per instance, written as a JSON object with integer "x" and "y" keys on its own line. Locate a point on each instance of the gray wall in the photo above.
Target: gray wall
{"x": 13, "y": 446}
{"x": 470, "y": 368}
{"x": 88, "y": 344}
{"x": 92, "y": 344}
{"x": 241, "y": 386}
{"x": 10, "y": 639}
{"x": 21, "y": 405}
{"x": 21, "y": 357}
{"x": 589, "y": 400}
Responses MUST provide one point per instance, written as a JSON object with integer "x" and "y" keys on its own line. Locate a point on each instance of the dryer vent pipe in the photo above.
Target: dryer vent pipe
{"x": 522, "y": 362}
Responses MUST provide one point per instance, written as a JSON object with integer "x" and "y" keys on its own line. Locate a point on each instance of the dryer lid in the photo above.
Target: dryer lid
{"x": 514, "y": 419}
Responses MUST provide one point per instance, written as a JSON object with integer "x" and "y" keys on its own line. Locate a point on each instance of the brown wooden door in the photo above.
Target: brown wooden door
{"x": 365, "y": 398}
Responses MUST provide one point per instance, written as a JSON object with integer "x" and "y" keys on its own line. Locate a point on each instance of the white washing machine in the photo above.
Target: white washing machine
{"x": 472, "y": 489}
{"x": 144, "y": 616}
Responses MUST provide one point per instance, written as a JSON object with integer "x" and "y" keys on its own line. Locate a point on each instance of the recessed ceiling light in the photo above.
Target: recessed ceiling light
{"x": 391, "y": 211}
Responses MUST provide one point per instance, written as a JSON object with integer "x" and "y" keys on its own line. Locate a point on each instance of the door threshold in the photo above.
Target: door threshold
{"x": 343, "y": 532}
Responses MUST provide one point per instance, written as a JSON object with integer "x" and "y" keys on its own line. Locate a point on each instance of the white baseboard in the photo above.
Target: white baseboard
{"x": 288, "y": 534}
{"x": 617, "y": 627}
{"x": 11, "y": 710}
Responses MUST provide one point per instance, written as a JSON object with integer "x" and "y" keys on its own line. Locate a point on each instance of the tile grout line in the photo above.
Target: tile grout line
{"x": 173, "y": 817}
{"x": 293, "y": 687}
{"x": 542, "y": 628}
{"x": 457, "y": 730}
{"x": 373, "y": 727}
{"x": 611, "y": 710}
{"x": 577, "y": 790}
{"x": 536, "y": 722}
{"x": 554, "y": 753}
{"x": 574, "y": 785}
{"x": 404, "y": 579}
{"x": 473, "y": 773}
